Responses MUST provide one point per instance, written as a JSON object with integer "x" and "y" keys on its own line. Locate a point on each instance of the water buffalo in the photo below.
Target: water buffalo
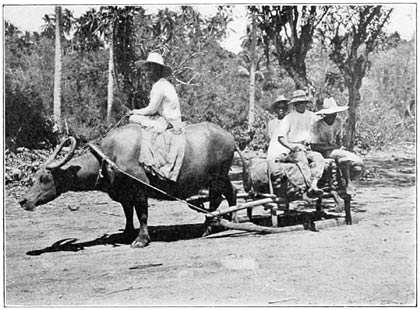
{"x": 208, "y": 156}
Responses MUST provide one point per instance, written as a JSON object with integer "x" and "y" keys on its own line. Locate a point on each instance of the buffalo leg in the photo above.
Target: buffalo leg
{"x": 139, "y": 200}
{"x": 129, "y": 226}
{"x": 215, "y": 198}
{"x": 219, "y": 187}
{"x": 143, "y": 238}
{"x": 229, "y": 191}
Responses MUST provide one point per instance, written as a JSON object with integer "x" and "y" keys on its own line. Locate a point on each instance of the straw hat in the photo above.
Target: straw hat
{"x": 279, "y": 99}
{"x": 156, "y": 58}
{"x": 330, "y": 106}
{"x": 299, "y": 96}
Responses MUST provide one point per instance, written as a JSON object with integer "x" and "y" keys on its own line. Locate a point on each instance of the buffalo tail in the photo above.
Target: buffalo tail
{"x": 246, "y": 177}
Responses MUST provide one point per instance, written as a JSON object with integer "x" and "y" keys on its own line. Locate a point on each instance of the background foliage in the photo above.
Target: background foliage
{"x": 210, "y": 81}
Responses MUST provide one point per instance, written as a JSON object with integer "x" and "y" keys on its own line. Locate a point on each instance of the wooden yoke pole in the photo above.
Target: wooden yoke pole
{"x": 250, "y": 204}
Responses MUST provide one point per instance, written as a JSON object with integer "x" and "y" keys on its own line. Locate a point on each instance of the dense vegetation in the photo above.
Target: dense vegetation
{"x": 208, "y": 81}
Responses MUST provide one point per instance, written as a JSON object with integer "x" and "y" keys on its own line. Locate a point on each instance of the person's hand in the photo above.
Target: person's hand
{"x": 296, "y": 148}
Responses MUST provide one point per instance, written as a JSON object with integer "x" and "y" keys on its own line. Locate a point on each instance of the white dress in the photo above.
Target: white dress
{"x": 163, "y": 108}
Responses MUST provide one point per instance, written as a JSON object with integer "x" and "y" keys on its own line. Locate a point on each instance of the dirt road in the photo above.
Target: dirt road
{"x": 370, "y": 263}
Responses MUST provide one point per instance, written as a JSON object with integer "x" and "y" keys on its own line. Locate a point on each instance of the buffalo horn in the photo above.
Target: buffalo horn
{"x": 52, "y": 163}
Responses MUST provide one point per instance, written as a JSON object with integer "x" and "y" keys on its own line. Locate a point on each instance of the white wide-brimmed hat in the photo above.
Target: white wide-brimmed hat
{"x": 157, "y": 59}
{"x": 330, "y": 106}
{"x": 299, "y": 96}
{"x": 278, "y": 100}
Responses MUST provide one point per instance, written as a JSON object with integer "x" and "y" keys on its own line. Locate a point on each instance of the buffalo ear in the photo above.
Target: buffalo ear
{"x": 107, "y": 177}
{"x": 109, "y": 174}
{"x": 73, "y": 170}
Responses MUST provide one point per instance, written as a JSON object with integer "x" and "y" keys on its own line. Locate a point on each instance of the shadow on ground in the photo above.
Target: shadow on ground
{"x": 168, "y": 233}
{"x": 396, "y": 172}
{"x": 157, "y": 233}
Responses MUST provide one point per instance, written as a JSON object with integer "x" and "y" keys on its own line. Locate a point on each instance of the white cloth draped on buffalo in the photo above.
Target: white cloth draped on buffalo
{"x": 162, "y": 152}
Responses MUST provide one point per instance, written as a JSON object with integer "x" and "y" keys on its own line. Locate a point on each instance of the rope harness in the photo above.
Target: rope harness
{"x": 105, "y": 159}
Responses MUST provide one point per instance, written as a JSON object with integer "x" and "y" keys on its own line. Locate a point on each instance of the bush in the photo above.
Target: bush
{"x": 376, "y": 129}
{"x": 386, "y": 90}
{"x": 25, "y": 122}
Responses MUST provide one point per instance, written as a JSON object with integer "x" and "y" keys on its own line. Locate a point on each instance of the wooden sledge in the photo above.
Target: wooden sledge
{"x": 280, "y": 208}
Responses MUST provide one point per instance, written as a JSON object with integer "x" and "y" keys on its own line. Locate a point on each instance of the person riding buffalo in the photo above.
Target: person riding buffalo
{"x": 163, "y": 110}
{"x": 327, "y": 139}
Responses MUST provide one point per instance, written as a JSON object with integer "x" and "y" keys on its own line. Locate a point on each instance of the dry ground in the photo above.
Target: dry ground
{"x": 369, "y": 263}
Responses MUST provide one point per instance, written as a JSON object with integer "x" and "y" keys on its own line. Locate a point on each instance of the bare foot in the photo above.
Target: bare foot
{"x": 350, "y": 189}
{"x": 315, "y": 191}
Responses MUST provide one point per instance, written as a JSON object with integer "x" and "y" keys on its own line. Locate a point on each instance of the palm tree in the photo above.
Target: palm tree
{"x": 57, "y": 69}
{"x": 251, "y": 113}
{"x": 105, "y": 26}
{"x": 55, "y": 26}
{"x": 107, "y": 19}
{"x": 252, "y": 65}
{"x": 111, "y": 70}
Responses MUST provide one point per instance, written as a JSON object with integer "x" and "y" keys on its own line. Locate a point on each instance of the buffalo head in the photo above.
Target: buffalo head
{"x": 44, "y": 188}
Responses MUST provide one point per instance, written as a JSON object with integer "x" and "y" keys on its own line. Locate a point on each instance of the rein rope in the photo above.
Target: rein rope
{"x": 105, "y": 158}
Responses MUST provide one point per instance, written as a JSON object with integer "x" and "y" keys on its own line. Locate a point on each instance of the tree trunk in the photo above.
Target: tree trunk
{"x": 300, "y": 81}
{"x": 298, "y": 74}
{"x": 251, "y": 112}
{"x": 354, "y": 101}
{"x": 57, "y": 70}
{"x": 110, "y": 78}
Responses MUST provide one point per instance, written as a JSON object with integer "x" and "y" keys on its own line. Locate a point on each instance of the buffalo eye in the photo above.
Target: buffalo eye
{"x": 45, "y": 178}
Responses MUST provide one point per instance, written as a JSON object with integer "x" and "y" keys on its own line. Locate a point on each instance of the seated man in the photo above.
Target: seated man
{"x": 293, "y": 138}
{"x": 326, "y": 139}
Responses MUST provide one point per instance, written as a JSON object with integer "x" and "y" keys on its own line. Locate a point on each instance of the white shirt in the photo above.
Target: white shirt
{"x": 163, "y": 101}
{"x": 296, "y": 128}
{"x": 273, "y": 125}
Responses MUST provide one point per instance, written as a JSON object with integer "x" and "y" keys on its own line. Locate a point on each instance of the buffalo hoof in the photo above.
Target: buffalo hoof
{"x": 140, "y": 242}
{"x": 208, "y": 231}
{"x": 208, "y": 224}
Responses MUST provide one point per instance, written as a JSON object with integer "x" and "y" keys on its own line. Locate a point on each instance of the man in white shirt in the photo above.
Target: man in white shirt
{"x": 164, "y": 108}
{"x": 294, "y": 137}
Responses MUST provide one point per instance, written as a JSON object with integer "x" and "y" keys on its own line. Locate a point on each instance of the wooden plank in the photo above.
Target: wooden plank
{"x": 227, "y": 233}
{"x": 270, "y": 230}
{"x": 257, "y": 228}
{"x": 242, "y": 195}
{"x": 250, "y": 204}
